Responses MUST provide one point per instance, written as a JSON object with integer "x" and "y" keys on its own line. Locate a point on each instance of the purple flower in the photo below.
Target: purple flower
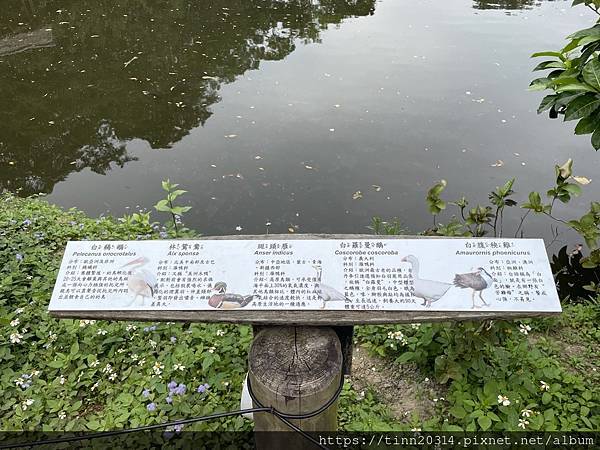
{"x": 201, "y": 389}
{"x": 145, "y": 392}
{"x": 172, "y": 385}
{"x": 178, "y": 428}
{"x": 27, "y": 222}
{"x": 168, "y": 434}
{"x": 19, "y": 257}
{"x": 163, "y": 235}
{"x": 151, "y": 406}
{"x": 173, "y": 339}
{"x": 206, "y": 385}
{"x": 169, "y": 400}
{"x": 180, "y": 390}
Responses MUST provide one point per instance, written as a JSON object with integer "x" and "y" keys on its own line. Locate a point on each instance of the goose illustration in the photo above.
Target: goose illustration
{"x": 141, "y": 282}
{"x": 429, "y": 290}
{"x": 326, "y": 293}
{"x": 478, "y": 281}
{"x": 222, "y": 299}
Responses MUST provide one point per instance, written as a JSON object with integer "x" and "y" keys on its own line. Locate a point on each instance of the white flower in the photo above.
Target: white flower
{"x": 238, "y": 228}
{"x": 107, "y": 369}
{"x": 526, "y": 413}
{"x": 220, "y": 333}
{"x": 24, "y": 330}
{"x": 142, "y": 362}
{"x": 152, "y": 343}
{"x": 415, "y": 429}
{"x": 158, "y": 367}
{"x": 62, "y": 415}
{"x": 112, "y": 376}
{"x": 503, "y": 400}
{"x": 15, "y": 338}
{"x": 178, "y": 367}
{"x": 94, "y": 363}
{"x": 415, "y": 326}
{"x": 83, "y": 323}
{"x": 544, "y": 386}
{"x": 131, "y": 327}
{"x": 121, "y": 350}
{"x": 135, "y": 357}
{"x": 95, "y": 385}
{"x": 525, "y": 329}
{"x": 35, "y": 373}
{"x": 225, "y": 383}
{"x": 26, "y": 403}
{"x": 211, "y": 349}
{"x": 523, "y": 423}
{"x": 62, "y": 380}
{"x": 52, "y": 337}
{"x": 102, "y": 332}
{"x": 15, "y": 323}
{"x": 19, "y": 310}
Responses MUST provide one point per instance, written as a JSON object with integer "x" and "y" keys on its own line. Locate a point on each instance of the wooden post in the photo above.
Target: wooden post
{"x": 295, "y": 370}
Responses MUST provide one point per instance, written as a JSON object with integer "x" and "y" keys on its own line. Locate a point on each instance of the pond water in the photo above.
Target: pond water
{"x": 280, "y": 112}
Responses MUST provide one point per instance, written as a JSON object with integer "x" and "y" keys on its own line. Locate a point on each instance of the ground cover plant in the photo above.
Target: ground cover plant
{"x": 97, "y": 375}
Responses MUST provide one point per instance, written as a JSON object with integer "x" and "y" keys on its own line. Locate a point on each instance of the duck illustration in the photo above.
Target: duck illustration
{"x": 478, "y": 281}
{"x": 429, "y": 290}
{"x": 141, "y": 282}
{"x": 224, "y": 300}
{"x": 326, "y": 293}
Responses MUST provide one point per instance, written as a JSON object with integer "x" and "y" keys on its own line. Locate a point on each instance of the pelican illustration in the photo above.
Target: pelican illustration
{"x": 326, "y": 293}
{"x": 478, "y": 281}
{"x": 141, "y": 282}
{"x": 225, "y": 300}
{"x": 429, "y": 290}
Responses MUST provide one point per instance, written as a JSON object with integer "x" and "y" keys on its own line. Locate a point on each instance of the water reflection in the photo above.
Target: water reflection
{"x": 507, "y": 4}
{"x": 79, "y": 79}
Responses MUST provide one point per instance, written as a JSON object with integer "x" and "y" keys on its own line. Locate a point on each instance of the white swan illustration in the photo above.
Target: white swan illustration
{"x": 429, "y": 290}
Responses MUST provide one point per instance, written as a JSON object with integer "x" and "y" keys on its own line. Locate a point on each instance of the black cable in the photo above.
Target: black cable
{"x": 143, "y": 428}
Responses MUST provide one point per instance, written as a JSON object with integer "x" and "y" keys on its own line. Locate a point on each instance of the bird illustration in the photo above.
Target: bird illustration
{"x": 141, "y": 282}
{"x": 429, "y": 290}
{"x": 478, "y": 281}
{"x": 225, "y": 300}
{"x": 326, "y": 293}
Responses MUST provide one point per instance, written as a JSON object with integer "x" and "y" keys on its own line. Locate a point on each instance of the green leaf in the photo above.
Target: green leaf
{"x": 587, "y": 125}
{"x": 484, "y": 422}
{"x": 572, "y": 189}
{"x": 177, "y": 193}
{"x": 549, "y": 65}
{"x": 582, "y": 107}
{"x": 547, "y": 103}
{"x": 554, "y": 54}
{"x": 179, "y": 210}
{"x": 591, "y": 73}
{"x": 546, "y": 398}
{"x": 596, "y": 139}
{"x": 575, "y": 87}
{"x": 539, "y": 84}
{"x": 163, "y": 205}
{"x": 458, "y": 412}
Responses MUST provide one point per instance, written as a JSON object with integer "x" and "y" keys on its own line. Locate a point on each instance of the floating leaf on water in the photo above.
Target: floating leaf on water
{"x": 291, "y": 230}
{"x": 332, "y": 129}
{"x": 582, "y": 180}
{"x": 130, "y": 61}
{"x": 258, "y": 157}
{"x": 357, "y": 195}
{"x": 498, "y": 163}
{"x": 308, "y": 167}
{"x": 231, "y": 136}
{"x": 376, "y": 187}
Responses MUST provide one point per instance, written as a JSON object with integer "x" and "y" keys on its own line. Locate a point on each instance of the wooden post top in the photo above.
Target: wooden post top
{"x": 306, "y": 279}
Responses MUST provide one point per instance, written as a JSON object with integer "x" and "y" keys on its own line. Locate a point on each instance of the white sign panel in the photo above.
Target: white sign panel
{"x": 327, "y": 274}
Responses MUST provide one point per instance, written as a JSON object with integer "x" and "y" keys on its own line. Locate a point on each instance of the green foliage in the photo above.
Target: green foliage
{"x": 381, "y": 227}
{"x": 92, "y": 375}
{"x": 574, "y": 281}
{"x": 575, "y": 79}
{"x": 496, "y": 378}
{"x": 168, "y": 205}
{"x": 482, "y": 219}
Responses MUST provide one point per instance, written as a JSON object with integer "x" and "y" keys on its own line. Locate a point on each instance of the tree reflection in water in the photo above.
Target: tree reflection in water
{"x": 80, "y": 78}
